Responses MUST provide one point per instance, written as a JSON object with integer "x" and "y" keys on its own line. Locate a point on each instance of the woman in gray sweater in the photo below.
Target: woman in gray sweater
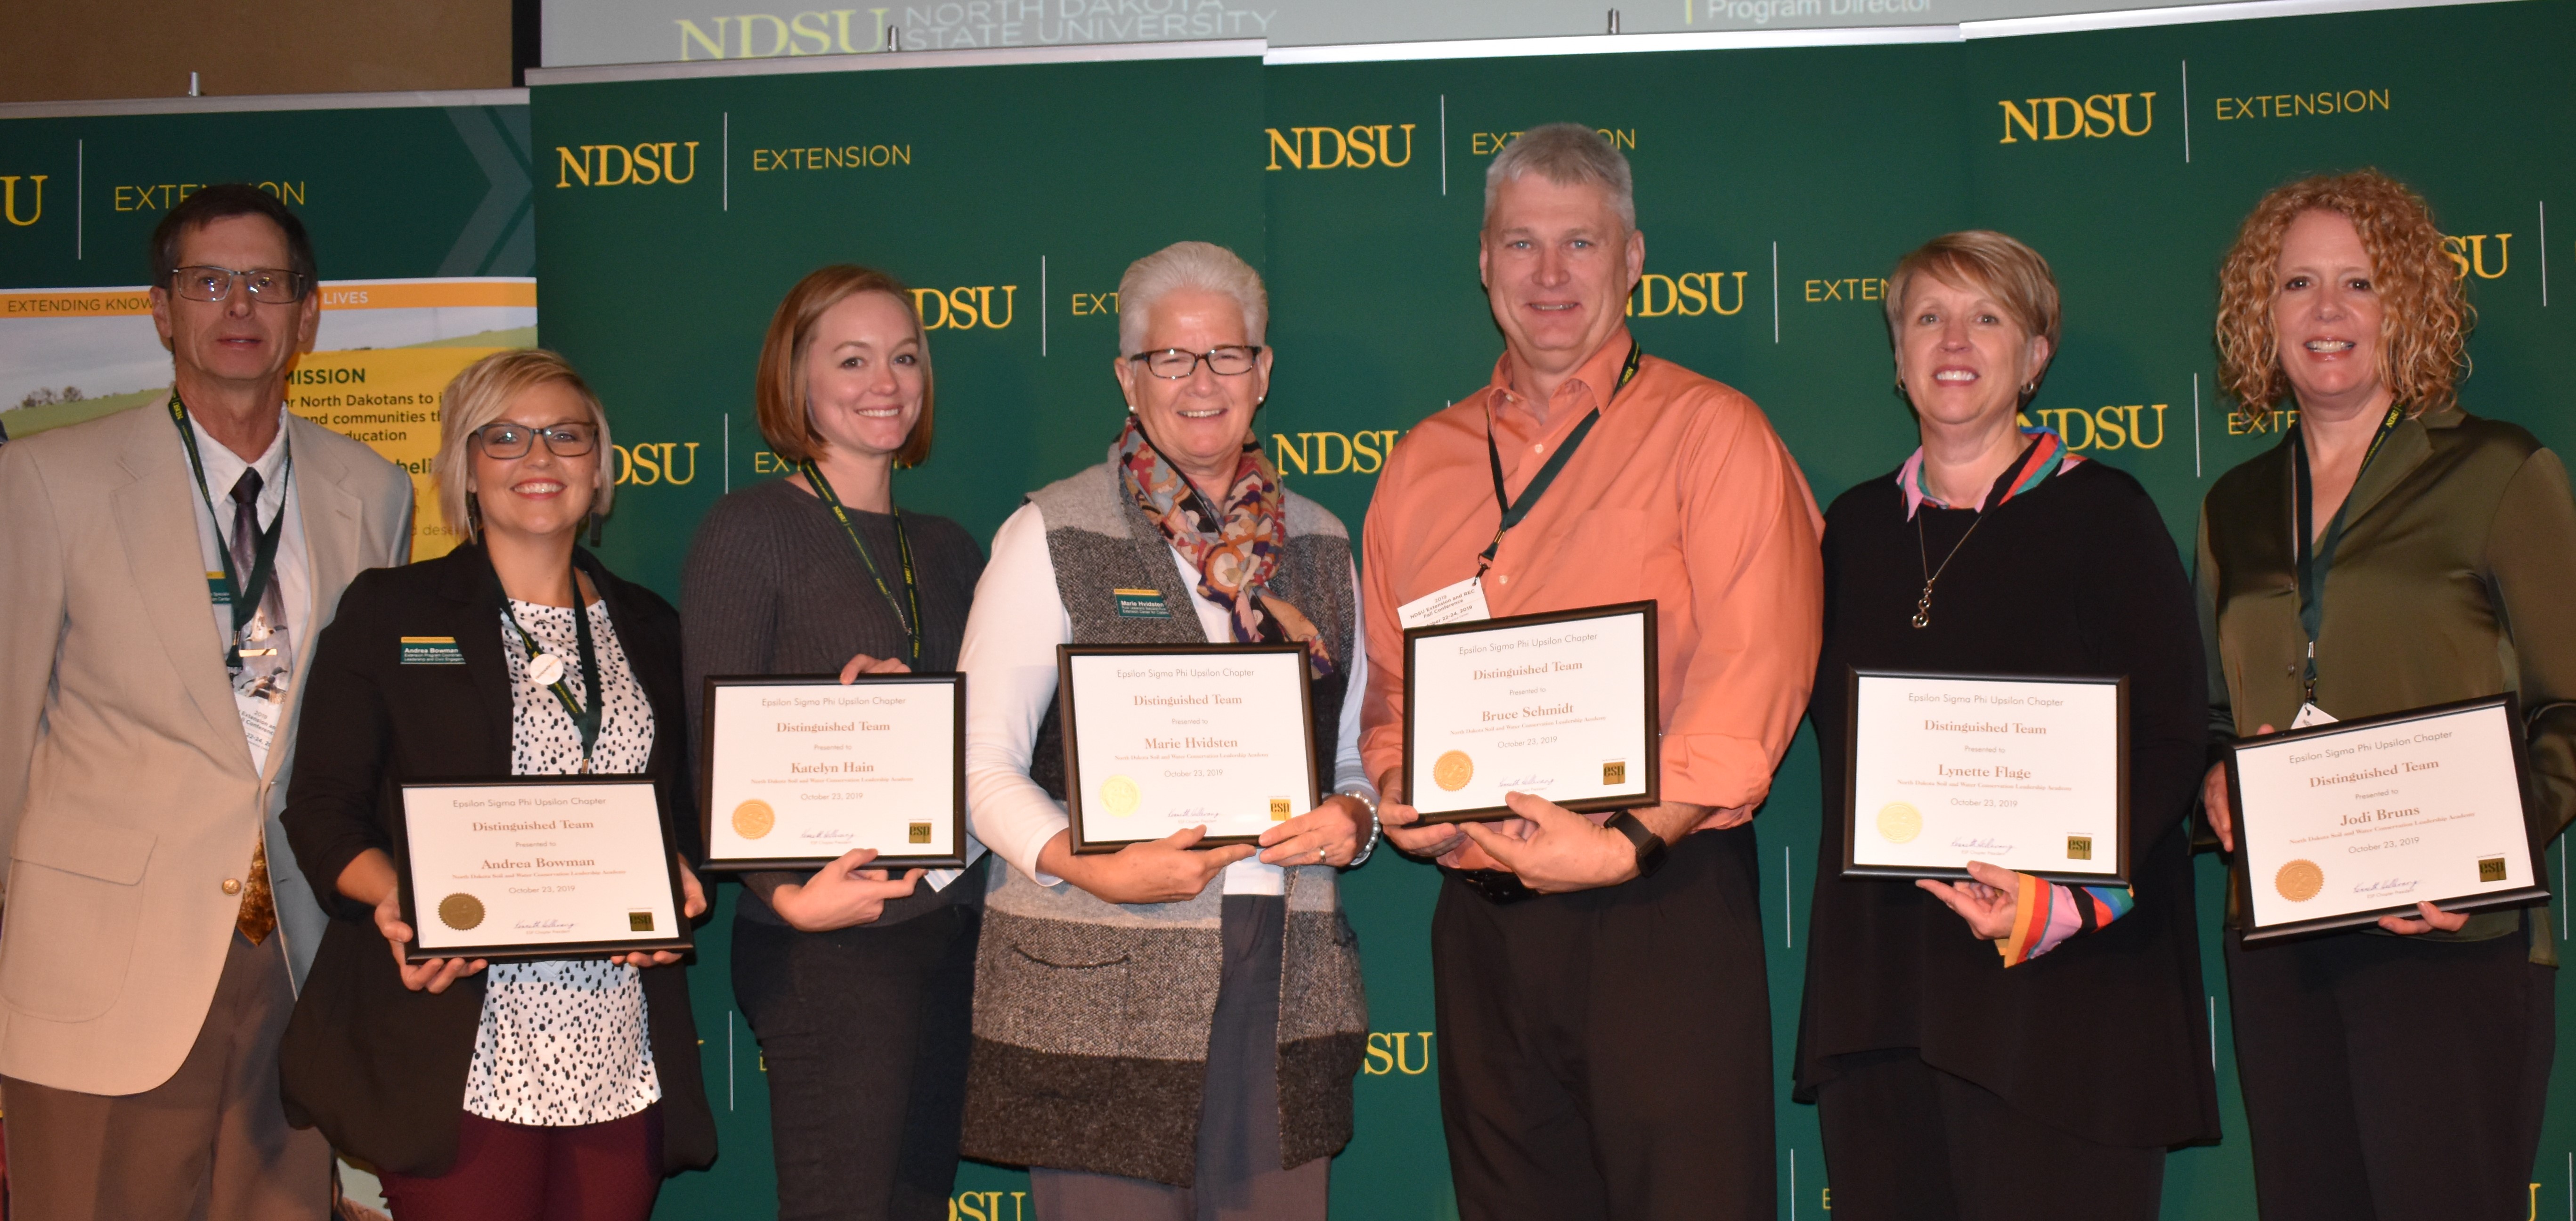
{"x": 859, "y": 985}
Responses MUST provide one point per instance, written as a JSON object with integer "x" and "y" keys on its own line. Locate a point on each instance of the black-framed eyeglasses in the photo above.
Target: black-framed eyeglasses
{"x": 1173, "y": 364}
{"x": 270, "y": 285}
{"x": 508, "y": 440}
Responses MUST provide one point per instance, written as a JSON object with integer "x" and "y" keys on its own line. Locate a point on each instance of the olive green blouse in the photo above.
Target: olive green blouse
{"x": 2455, "y": 579}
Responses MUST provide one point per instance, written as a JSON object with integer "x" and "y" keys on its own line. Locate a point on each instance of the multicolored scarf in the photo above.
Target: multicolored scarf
{"x": 1235, "y": 546}
{"x": 2042, "y": 459}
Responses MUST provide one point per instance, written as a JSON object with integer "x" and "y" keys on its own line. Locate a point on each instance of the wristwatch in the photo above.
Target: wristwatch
{"x": 1651, "y": 848}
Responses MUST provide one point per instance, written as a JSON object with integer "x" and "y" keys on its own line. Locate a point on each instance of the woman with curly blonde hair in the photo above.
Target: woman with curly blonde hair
{"x": 2395, "y": 1070}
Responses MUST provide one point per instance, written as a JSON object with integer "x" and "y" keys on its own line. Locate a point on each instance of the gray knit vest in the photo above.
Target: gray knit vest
{"x": 1092, "y": 1018}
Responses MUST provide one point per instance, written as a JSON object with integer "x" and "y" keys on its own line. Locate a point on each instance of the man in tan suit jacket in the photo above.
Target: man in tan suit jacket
{"x": 154, "y": 926}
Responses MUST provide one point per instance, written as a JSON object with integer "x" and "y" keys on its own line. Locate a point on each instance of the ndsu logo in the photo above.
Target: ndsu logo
{"x": 36, "y": 201}
{"x": 988, "y": 1206}
{"x": 2468, "y": 254}
{"x": 656, "y": 462}
{"x": 1391, "y": 1051}
{"x": 2120, "y": 427}
{"x": 672, "y": 162}
{"x": 1354, "y": 148}
{"x": 2098, "y": 117}
{"x": 964, "y": 309}
{"x": 1333, "y": 453}
{"x": 1690, "y": 294}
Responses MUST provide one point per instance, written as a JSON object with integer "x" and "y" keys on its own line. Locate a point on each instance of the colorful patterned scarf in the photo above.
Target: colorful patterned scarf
{"x": 2042, "y": 458}
{"x": 1237, "y": 553}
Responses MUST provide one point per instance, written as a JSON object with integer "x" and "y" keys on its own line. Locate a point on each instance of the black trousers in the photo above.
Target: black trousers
{"x": 864, "y": 1032}
{"x": 1905, "y": 1141}
{"x": 2391, "y": 1078}
{"x": 1607, "y": 1054}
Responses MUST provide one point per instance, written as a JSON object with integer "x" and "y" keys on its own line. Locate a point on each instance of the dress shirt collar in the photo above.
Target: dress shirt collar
{"x": 224, "y": 468}
{"x": 1592, "y": 385}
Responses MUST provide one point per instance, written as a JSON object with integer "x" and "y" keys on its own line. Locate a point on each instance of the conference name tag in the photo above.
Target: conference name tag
{"x": 220, "y": 588}
{"x": 1142, "y": 604}
{"x": 431, "y": 651}
{"x": 1463, "y": 602}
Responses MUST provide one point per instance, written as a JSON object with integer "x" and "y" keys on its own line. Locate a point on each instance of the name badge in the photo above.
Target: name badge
{"x": 2310, "y": 714}
{"x": 219, "y": 589}
{"x": 1459, "y": 603}
{"x": 1142, "y": 604}
{"x": 431, "y": 651}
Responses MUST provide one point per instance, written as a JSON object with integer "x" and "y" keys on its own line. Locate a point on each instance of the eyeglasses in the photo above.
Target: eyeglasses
{"x": 507, "y": 440}
{"x": 1173, "y": 364}
{"x": 267, "y": 284}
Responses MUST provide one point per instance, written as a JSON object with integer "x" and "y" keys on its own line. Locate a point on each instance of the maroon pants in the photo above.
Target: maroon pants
{"x": 510, "y": 1172}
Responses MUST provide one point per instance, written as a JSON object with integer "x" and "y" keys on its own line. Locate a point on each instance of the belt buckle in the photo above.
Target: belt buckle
{"x": 1496, "y": 886}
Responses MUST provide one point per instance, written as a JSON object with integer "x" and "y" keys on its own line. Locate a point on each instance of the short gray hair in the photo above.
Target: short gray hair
{"x": 1567, "y": 154}
{"x": 1203, "y": 266}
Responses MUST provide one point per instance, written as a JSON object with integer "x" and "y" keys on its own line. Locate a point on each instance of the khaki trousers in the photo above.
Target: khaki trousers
{"x": 209, "y": 1144}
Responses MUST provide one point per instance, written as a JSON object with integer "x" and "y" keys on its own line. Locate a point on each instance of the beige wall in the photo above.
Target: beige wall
{"x": 61, "y": 50}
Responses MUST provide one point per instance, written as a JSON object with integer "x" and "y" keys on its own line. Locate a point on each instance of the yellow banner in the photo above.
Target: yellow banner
{"x": 336, "y": 294}
{"x": 389, "y": 399}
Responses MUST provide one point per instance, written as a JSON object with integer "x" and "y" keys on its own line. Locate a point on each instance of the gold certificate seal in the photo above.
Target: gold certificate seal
{"x": 753, "y": 819}
{"x": 2299, "y": 881}
{"x": 460, "y": 911}
{"x": 1452, "y": 771}
{"x": 1118, "y": 796}
{"x": 1899, "y": 823}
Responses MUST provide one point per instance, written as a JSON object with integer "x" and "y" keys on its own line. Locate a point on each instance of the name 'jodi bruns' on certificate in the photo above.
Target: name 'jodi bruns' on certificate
{"x": 2344, "y": 822}
{"x": 2023, "y": 772}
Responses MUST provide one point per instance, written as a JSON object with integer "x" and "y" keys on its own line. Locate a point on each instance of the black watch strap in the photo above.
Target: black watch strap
{"x": 1651, "y": 848}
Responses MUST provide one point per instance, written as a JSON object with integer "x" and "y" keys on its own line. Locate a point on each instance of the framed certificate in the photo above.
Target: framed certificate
{"x": 1162, "y": 737}
{"x": 1560, "y": 705}
{"x": 2343, "y": 823}
{"x": 2023, "y": 772}
{"x": 529, "y": 867}
{"x": 800, "y": 770}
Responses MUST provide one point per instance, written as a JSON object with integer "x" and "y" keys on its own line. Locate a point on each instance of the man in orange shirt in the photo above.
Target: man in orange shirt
{"x": 1605, "y": 1041}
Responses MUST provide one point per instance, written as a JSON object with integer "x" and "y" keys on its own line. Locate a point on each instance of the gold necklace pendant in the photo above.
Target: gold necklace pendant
{"x": 1923, "y": 607}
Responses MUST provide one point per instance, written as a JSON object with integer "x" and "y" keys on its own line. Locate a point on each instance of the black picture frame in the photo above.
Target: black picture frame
{"x": 681, "y": 940}
{"x": 884, "y": 860}
{"x": 2533, "y": 857}
{"x": 2122, "y": 865}
{"x": 1074, "y": 788}
{"x": 1652, "y": 753}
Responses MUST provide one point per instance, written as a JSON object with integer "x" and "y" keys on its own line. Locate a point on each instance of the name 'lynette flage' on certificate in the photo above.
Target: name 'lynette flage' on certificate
{"x": 2345, "y": 822}
{"x": 1561, "y": 706}
{"x": 802, "y": 770}
{"x": 2022, "y": 772}
{"x": 1160, "y": 738}
{"x": 534, "y": 867}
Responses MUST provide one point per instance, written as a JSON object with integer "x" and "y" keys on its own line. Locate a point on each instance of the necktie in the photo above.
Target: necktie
{"x": 258, "y": 916}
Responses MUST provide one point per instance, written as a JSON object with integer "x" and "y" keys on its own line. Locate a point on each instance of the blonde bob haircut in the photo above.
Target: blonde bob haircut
{"x": 481, "y": 394}
{"x": 2423, "y": 331}
{"x": 1984, "y": 261}
{"x": 778, "y": 389}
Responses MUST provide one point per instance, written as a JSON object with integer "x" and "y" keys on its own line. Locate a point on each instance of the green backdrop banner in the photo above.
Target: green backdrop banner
{"x": 1775, "y": 188}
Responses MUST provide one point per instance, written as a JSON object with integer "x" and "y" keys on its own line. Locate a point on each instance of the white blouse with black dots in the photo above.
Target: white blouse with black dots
{"x": 564, "y": 1042}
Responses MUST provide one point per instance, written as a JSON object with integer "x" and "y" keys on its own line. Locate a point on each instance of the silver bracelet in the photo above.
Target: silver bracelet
{"x": 1375, "y": 829}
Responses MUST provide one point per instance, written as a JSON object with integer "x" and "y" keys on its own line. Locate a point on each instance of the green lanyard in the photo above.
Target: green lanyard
{"x": 244, "y": 599}
{"x": 903, "y": 549}
{"x": 2314, "y": 561}
{"x": 586, "y": 720}
{"x": 1514, "y": 511}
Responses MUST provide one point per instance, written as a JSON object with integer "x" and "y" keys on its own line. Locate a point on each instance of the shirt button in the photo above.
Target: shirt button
{"x": 232, "y": 886}
{"x": 1503, "y": 580}
{"x": 2290, "y": 669}
{"x": 1538, "y": 449}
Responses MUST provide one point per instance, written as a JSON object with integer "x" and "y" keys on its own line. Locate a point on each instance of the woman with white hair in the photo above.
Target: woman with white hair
{"x": 1166, "y": 1031}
